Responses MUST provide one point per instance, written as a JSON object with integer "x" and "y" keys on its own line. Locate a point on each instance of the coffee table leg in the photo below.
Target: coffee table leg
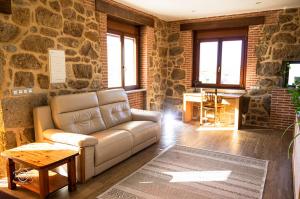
{"x": 44, "y": 183}
{"x": 10, "y": 167}
{"x": 72, "y": 174}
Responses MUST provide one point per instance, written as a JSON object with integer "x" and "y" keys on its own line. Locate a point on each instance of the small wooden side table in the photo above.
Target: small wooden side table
{"x": 41, "y": 157}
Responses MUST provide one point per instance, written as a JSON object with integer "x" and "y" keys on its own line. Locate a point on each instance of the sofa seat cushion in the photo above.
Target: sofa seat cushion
{"x": 140, "y": 130}
{"x": 111, "y": 143}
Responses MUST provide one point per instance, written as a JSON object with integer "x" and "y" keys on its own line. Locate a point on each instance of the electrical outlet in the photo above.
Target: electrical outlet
{"x": 21, "y": 91}
{"x": 255, "y": 87}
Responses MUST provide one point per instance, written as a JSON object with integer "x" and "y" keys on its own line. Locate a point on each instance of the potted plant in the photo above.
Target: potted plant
{"x": 295, "y": 95}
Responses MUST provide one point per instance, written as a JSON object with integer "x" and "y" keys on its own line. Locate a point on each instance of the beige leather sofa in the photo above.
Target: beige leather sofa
{"x": 100, "y": 125}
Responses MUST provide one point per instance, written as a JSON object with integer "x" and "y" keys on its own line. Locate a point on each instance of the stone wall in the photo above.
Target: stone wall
{"x": 176, "y": 73}
{"x": 36, "y": 26}
{"x": 268, "y": 45}
{"x": 157, "y": 72}
{"x": 25, "y": 37}
{"x": 166, "y": 68}
{"x": 279, "y": 41}
{"x": 165, "y": 57}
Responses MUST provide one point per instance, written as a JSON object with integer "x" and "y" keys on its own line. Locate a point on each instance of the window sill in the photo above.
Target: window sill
{"x": 136, "y": 91}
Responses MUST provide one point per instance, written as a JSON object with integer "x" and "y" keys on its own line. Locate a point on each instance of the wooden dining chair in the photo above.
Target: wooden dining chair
{"x": 210, "y": 103}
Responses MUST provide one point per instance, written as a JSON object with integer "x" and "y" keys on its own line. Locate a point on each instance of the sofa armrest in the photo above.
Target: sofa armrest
{"x": 143, "y": 115}
{"x": 74, "y": 139}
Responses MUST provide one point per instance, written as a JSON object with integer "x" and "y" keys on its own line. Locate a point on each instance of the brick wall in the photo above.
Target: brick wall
{"x": 146, "y": 42}
{"x": 261, "y": 64}
{"x": 187, "y": 42}
{"x": 282, "y": 110}
{"x": 137, "y": 100}
{"x": 254, "y": 33}
{"x": 146, "y": 47}
{"x": 143, "y": 57}
{"x": 103, "y": 48}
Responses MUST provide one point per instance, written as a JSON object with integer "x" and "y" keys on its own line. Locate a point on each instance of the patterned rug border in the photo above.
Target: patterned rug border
{"x": 173, "y": 145}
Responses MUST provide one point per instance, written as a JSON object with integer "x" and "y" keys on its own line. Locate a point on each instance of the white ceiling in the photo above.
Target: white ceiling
{"x": 172, "y": 10}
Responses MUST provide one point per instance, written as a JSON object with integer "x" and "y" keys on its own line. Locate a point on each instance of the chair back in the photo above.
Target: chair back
{"x": 209, "y": 97}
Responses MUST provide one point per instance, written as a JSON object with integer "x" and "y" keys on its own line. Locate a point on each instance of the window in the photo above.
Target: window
{"x": 122, "y": 55}
{"x": 219, "y": 58}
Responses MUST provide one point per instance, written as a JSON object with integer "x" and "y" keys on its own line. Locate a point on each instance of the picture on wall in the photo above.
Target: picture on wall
{"x": 292, "y": 73}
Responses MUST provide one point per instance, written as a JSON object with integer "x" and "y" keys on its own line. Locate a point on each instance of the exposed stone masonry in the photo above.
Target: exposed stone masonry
{"x": 35, "y": 27}
{"x": 165, "y": 66}
{"x": 73, "y": 25}
{"x": 26, "y": 35}
{"x": 158, "y": 66}
{"x": 176, "y": 73}
{"x": 280, "y": 42}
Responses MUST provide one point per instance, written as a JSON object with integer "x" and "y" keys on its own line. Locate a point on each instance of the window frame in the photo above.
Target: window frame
{"x": 125, "y": 30}
{"x": 219, "y": 36}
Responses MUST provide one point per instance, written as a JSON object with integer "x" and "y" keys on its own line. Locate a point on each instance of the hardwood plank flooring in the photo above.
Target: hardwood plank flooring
{"x": 258, "y": 143}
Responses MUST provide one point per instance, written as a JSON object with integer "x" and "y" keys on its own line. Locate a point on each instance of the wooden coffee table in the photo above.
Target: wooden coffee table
{"x": 40, "y": 158}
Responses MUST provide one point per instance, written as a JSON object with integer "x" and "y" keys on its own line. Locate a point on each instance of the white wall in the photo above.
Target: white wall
{"x": 296, "y": 164}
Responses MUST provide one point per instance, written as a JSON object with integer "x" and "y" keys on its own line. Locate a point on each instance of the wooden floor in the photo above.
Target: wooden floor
{"x": 258, "y": 143}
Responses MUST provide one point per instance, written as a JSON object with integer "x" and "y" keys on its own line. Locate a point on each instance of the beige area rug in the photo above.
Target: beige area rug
{"x": 188, "y": 173}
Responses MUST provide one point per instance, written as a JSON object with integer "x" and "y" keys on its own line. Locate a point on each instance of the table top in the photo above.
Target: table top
{"x": 229, "y": 95}
{"x": 39, "y": 154}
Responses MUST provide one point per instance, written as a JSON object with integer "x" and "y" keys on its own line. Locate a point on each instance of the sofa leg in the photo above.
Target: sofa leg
{"x": 82, "y": 165}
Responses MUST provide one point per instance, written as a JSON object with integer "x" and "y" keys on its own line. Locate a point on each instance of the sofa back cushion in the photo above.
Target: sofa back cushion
{"x": 114, "y": 107}
{"x": 77, "y": 113}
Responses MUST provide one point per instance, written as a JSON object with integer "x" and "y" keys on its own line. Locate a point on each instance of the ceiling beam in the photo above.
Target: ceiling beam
{"x": 5, "y": 6}
{"x": 124, "y": 14}
{"x": 222, "y": 24}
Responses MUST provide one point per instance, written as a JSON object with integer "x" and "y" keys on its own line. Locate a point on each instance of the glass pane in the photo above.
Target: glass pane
{"x": 231, "y": 62}
{"x": 130, "y": 61}
{"x": 294, "y": 73}
{"x": 208, "y": 62}
{"x": 114, "y": 60}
